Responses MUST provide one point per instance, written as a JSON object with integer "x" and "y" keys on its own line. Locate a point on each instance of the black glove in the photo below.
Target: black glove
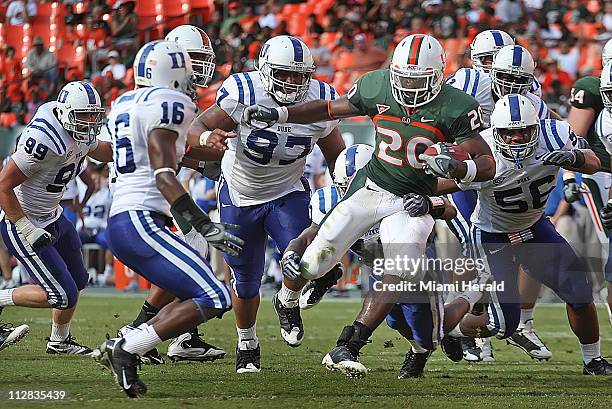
{"x": 210, "y": 169}
{"x": 256, "y": 115}
{"x": 442, "y": 165}
{"x": 416, "y": 205}
{"x": 571, "y": 190}
{"x": 290, "y": 265}
{"x": 574, "y": 158}
{"x": 217, "y": 236}
{"x": 606, "y": 215}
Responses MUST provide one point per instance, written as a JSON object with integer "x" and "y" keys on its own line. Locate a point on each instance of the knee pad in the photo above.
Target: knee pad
{"x": 81, "y": 279}
{"x": 578, "y": 306}
{"x": 64, "y": 302}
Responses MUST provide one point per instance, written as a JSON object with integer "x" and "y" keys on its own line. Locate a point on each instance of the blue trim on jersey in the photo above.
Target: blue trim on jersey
{"x": 599, "y": 123}
{"x": 321, "y": 90}
{"x": 140, "y": 68}
{"x": 240, "y": 88}
{"x": 553, "y": 127}
{"x": 251, "y": 88}
{"x": 475, "y": 87}
{"x": 546, "y": 137}
{"x": 515, "y": 111}
{"x": 125, "y": 98}
{"x": 40, "y": 128}
{"x": 298, "y": 52}
{"x": 350, "y": 161}
{"x": 150, "y": 92}
{"x": 517, "y": 56}
{"x": 334, "y": 195}
{"x": 57, "y": 135}
{"x": 541, "y": 109}
{"x": 499, "y": 41}
{"x": 467, "y": 80}
{"x": 223, "y": 93}
{"x": 332, "y": 91}
{"x": 91, "y": 96}
{"x": 321, "y": 201}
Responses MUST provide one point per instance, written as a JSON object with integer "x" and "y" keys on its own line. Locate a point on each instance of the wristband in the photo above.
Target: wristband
{"x": 283, "y": 115}
{"x": 164, "y": 170}
{"x": 186, "y": 208}
{"x": 204, "y": 137}
{"x": 470, "y": 173}
{"x": 437, "y": 206}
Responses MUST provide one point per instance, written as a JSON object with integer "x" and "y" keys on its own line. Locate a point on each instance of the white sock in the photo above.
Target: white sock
{"x": 416, "y": 347}
{"x": 526, "y": 315}
{"x": 247, "y": 337}
{"x": 456, "y": 332}
{"x": 6, "y": 297}
{"x": 141, "y": 342}
{"x": 590, "y": 351}
{"x": 287, "y": 297}
{"x": 59, "y": 332}
{"x": 138, "y": 329}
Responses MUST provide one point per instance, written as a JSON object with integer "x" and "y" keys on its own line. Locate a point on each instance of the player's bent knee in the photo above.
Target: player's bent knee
{"x": 207, "y": 311}
{"x": 247, "y": 290}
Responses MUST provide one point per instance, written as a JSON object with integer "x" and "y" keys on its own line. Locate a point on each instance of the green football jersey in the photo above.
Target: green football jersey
{"x": 585, "y": 94}
{"x": 401, "y": 137}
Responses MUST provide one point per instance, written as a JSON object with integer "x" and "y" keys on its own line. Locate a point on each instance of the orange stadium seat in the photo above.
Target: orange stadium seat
{"x": 14, "y": 38}
{"x": 174, "y": 8}
{"x": 44, "y": 9}
{"x": 297, "y": 25}
{"x": 149, "y": 8}
{"x": 329, "y": 39}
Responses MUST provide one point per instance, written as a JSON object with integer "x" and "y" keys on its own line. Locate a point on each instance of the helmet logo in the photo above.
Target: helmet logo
{"x": 178, "y": 60}
{"x": 63, "y": 95}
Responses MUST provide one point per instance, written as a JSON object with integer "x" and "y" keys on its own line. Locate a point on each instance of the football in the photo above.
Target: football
{"x": 453, "y": 150}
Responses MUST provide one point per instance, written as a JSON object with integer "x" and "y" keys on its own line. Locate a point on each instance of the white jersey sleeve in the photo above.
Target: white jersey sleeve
{"x": 34, "y": 149}
{"x": 603, "y": 129}
{"x": 236, "y": 93}
{"x": 557, "y": 135}
{"x": 322, "y": 201}
{"x": 539, "y": 105}
{"x": 470, "y": 81}
{"x": 536, "y": 88}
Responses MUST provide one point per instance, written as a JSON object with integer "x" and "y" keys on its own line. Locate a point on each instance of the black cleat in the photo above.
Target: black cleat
{"x": 471, "y": 351}
{"x": 248, "y": 357}
{"x": 343, "y": 360}
{"x": 190, "y": 347}
{"x": 153, "y": 357}
{"x": 69, "y": 346}
{"x": 292, "y": 328}
{"x": 414, "y": 364}
{"x": 597, "y": 366}
{"x": 527, "y": 340}
{"x": 314, "y": 291}
{"x": 10, "y": 335}
{"x": 123, "y": 365}
{"x": 451, "y": 346}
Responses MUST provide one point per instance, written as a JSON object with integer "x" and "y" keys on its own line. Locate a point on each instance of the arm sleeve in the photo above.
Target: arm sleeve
{"x": 583, "y": 95}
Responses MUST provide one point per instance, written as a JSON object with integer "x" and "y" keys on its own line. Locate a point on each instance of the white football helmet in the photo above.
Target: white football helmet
{"x": 164, "y": 64}
{"x": 605, "y": 85}
{"x": 512, "y": 71}
{"x": 197, "y": 44}
{"x": 606, "y": 54}
{"x": 79, "y": 110}
{"x": 349, "y": 161}
{"x": 416, "y": 70}
{"x": 511, "y": 113}
{"x": 487, "y": 44}
{"x": 285, "y": 53}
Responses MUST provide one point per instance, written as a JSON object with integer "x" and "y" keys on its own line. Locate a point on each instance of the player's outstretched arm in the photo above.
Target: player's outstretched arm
{"x": 482, "y": 157}
{"x": 162, "y": 156}
{"x": 576, "y": 160}
{"x": 209, "y": 132}
{"x": 103, "y": 152}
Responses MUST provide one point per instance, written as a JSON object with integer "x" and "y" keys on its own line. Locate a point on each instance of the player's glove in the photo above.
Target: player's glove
{"x": 261, "y": 117}
{"x": 36, "y": 236}
{"x": 441, "y": 165}
{"x": 217, "y": 236}
{"x": 290, "y": 265}
{"x": 210, "y": 169}
{"x": 573, "y": 158}
{"x": 571, "y": 190}
{"x": 606, "y": 215}
{"x": 419, "y": 205}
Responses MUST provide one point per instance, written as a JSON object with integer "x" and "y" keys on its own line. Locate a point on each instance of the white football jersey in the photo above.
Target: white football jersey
{"x": 133, "y": 116}
{"x": 315, "y": 165}
{"x": 603, "y": 129}
{"x": 515, "y": 198}
{"x": 478, "y": 85}
{"x": 95, "y": 211}
{"x": 263, "y": 165}
{"x": 50, "y": 158}
{"x": 325, "y": 199}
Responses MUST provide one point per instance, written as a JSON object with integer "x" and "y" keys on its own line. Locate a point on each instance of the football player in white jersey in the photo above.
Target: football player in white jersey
{"x": 509, "y": 228}
{"x": 500, "y": 68}
{"x": 262, "y": 188}
{"x": 148, "y": 128}
{"x": 50, "y": 153}
{"x": 188, "y": 346}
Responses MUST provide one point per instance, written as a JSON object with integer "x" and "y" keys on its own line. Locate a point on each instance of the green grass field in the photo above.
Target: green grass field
{"x": 293, "y": 378}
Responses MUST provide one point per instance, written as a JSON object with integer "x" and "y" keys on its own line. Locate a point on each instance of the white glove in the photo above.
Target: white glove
{"x": 290, "y": 265}
{"x": 36, "y": 236}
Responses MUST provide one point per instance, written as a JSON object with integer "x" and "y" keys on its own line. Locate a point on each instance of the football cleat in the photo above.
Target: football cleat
{"x": 190, "y": 347}
{"x": 69, "y": 346}
{"x": 451, "y": 346}
{"x": 10, "y": 335}
{"x": 292, "y": 329}
{"x": 123, "y": 365}
{"x": 487, "y": 350}
{"x": 526, "y": 339}
{"x": 248, "y": 357}
{"x": 414, "y": 364}
{"x": 471, "y": 351}
{"x": 597, "y": 366}
{"x": 314, "y": 291}
{"x": 343, "y": 360}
